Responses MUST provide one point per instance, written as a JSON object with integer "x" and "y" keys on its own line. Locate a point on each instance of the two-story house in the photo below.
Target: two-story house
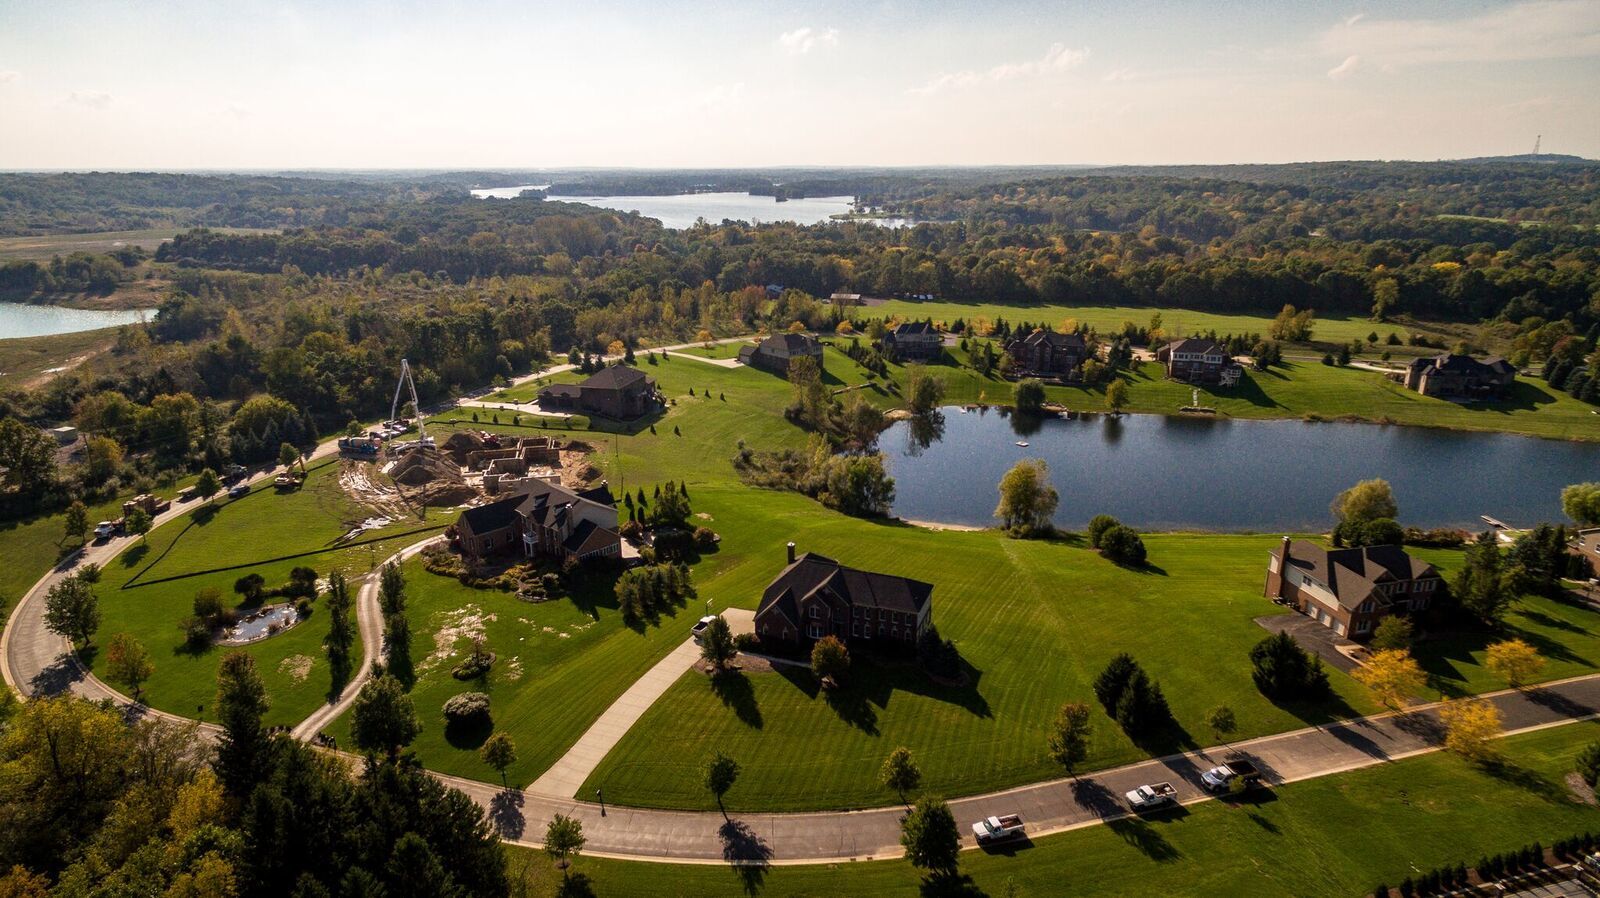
{"x": 913, "y": 341}
{"x": 1044, "y": 353}
{"x": 620, "y": 392}
{"x": 542, "y": 520}
{"x": 1196, "y": 360}
{"x": 1452, "y": 376}
{"x": 1349, "y": 591}
{"x": 775, "y": 352}
{"x": 814, "y": 596}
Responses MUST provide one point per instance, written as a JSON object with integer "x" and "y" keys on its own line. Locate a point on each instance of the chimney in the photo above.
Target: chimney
{"x": 791, "y": 553}
{"x": 1283, "y": 566}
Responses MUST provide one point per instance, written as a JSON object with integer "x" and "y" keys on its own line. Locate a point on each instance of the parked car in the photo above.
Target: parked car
{"x": 238, "y": 490}
{"x": 233, "y": 473}
{"x": 997, "y": 829}
{"x": 105, "y": 530}
{"x": 700, "y": 626}
{"x": 1152, "y": 796}
{"x": 1222, "y": 777}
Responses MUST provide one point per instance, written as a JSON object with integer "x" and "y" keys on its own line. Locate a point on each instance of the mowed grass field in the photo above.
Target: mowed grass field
{"x": 1337, "y": 836}
{"x": 149, "y": 589}
{"x": 559, "y": 664}
{"x": 25, "y": 361}
{"x": 1328, "y": 330}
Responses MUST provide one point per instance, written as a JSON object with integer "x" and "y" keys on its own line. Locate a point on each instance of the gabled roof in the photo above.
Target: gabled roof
{"x": 496, "y": 515}
{"x": 1351, "y": 574}
{"x": 600, "y": 494}
{"x": 572, "y": 390}
{"x": 1055, "y": 339}
{"x": 785, "y": 346}
{"x": 1196, "y": 344}
{"x": 616, "y": 377}
{"x": 915, "y": 329}
{"x": 812, "y": 574}
{"x": 1455, "y": 363}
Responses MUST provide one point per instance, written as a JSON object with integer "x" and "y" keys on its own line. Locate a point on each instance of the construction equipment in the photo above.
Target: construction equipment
{"x": 394, "y": 408}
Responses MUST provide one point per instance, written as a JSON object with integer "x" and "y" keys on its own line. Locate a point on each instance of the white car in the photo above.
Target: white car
{"x": 995, "y": 829}
{"x": 701, "y": 626}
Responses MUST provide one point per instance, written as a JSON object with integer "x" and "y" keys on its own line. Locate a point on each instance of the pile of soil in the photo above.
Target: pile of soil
{"x": 436, "y": 478}
{"x": 460, "y": 445}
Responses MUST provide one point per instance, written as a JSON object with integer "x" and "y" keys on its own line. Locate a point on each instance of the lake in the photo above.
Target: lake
{"x": 682, "y": 210}
{"x": 504, "y": 193}
{"x": 21, "y": 320}
{"x": 1177, "y": 473}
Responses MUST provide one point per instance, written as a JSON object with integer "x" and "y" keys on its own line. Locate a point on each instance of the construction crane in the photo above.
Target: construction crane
{"x": 394, "y": 407}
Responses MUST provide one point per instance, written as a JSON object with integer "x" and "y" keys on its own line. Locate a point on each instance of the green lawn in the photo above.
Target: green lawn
{"x": 1337, "y": 836}
{"x": 1331, "y": 330}
{"x": 149, "y": 589}
{"x": 50, "y": 245}
{"x": 559, "y": 665}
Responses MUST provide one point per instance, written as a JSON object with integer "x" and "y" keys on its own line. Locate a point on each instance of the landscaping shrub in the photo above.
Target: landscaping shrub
{"x": 1098, "y": 525}
{"x": 746, "y": 642}
{"x": 705, "y": 539}
{"x": 1283, "y": 670}
{"x": 1122, "y": 545}
{"x": 674, "y": 545}
{"x": 476, "y": 664}
{"x": 631, "y": 531}
{"x": 939, "y": 656}
{"x": 645, "y": 592}
{"x": 468, "y": 707}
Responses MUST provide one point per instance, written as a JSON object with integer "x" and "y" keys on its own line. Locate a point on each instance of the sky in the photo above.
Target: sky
{"x": 219, "y": 84}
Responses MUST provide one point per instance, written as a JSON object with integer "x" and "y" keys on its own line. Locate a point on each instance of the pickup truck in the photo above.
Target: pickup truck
{"x": 1150, "y": 796}
{"x": 1222, "y": 778}
{"x": 995, "y": 829}
{"x": 700, "y": 626}
{"x": 105, "y": 529}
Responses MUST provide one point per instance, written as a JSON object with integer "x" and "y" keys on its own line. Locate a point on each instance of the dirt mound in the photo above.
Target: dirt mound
{"x": 460, "y": 445}
{"x": 436, "y": 477}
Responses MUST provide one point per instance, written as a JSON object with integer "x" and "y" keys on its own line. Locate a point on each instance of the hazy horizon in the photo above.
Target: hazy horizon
{"x": 494, "y": 85}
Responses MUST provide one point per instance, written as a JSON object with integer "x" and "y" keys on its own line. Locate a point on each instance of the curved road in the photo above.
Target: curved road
{"x": 36, "y": 662}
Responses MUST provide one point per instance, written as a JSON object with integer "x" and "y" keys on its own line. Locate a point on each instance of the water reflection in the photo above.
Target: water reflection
{"x": 923, "y": 431}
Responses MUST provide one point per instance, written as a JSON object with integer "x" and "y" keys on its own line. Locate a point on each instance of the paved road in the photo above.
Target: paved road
{"x": 567, "y": 774}
{"x": 1048, "y": 807}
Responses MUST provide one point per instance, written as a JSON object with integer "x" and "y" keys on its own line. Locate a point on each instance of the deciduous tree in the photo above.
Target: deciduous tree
{"x": 900, "y": 772}
{"x": 719, "y": 773}
{"x": 1393, "y": 675}
{"x": 1470, "y": 728}
{"x": 127, "y": 662}
{"x": 1514, "y": 661}
{"x": 1368, "y": 500}
{"x": 930, "y": 837}
{"x": 383, "y": 719}
{"x": 1394, "y": 632}
{"x": 563, "y": 837}
{"x": 1027, "y": 500}
{"x": 499, "y": 752}
{"x": 830, "y": 660}
{"x": 77, "y": 522}
{"x": 1069, "y": 736}
{"x": 71, "y": 610}
{"x": 716, "y": 643}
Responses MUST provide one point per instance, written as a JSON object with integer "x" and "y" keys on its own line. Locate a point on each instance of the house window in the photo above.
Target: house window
{"x": 855, "y": 629}
{"x": 1363, "y": 625}
{"x": 816, "y": 611}
{"x": 815, "y": 631}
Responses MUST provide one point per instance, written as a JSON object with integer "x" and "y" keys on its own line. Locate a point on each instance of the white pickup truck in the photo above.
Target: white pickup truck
{"x": 1151, "y": 796}
{"x": 995, "y": 829}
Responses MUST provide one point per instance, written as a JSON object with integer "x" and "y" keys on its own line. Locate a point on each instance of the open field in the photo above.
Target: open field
{"x": 1337, "y": 836}
{"x": 50, "y": 245}
{"x": 559, "y": 665}
{"x": 24, "y": 361}
{"x": 149, "y": 589}
{"x": 1333, "y": 329}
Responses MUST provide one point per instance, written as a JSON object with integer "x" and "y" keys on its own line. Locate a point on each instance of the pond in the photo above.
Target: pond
{"x": 682, "y": 210}
{"x": 1186, "y": 473}
{"x": 261, "y": 623}
{"x": 22, "y": 320}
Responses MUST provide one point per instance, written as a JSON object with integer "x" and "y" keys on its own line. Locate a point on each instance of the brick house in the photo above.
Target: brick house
{"x": 1349, "y": 591}
{"x": 543, "y": 520}
{"x": 617, "y": 392}
{"x": 1048, "y": 354}
{"x": 1452, "y": 376}
{"x": 1196, "y": 360}
{"x": 814, "y": 596}
{"x": 913, "y": 341}
{"x": 773, "y": 353}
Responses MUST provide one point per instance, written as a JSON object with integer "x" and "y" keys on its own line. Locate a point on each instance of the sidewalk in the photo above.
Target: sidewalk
{"x": 567, "y": 775}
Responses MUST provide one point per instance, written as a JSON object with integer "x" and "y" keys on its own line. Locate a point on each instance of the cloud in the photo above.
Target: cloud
{"x": 94, "y": 99}
{"x": 1536, "y": 29}
{"x": 10, "y": 75}
{"x": 1056, "y": 59}
{"x": 1343, "y": 69}
{"x": 803, "y": 40}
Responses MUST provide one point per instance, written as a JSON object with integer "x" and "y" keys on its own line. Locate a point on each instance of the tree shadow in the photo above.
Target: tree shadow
{"x": 1423, "y": 726}
{"x": 135, "y": 554}
{"x": 57, "y": 677}
{"x": 505, "y": 813}
{"x": 468, "y": 734}
{"x": 576, "y": 885}
{"x": 1251, "y": 392}
{"x": 736, "y": 692}
{"x": 1144, "y": 838}
{"x": 748, "y": 854}
{"x": 1532, "y": 781}
{"x": 950, "y": 885}
{"x": 1561, "y": 704}
{"x": 852, "y": 707}
{"x": 1329, "y": 708}
{"x": 204, "y": 514}
{"x": 1094, "y": 797}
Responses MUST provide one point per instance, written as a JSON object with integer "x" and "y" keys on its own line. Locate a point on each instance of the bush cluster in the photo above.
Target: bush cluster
{"x": 643, "y": 593}
{"x": 1527, "y": 859}
{"x": 468, "y": 707}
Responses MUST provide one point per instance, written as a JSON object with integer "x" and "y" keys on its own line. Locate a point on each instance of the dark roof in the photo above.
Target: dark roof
{"x": 601, "y": 494}
{"x": 1351, "y": 574}
{"x": 579, "y": 535}
{"x": 1054, "y": 338}
{"x": 617, "y": 377}
{"x": 812, "y": 573}
{"x": 786, "y": 346}
{"x": 915, "y": 328}
{"x": 1455, "y": 363}
{"x": 494, "y": 516}
{"x": 572, "y": 390}
{"x": 1196, "y": 344}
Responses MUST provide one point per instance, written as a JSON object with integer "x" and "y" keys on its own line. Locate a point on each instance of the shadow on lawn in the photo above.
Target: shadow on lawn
{"x": 1513, "y": 774}
{"x": 735, "y": 691}
{"x": 468, "y": 735}
{"x": 950, "y": 885}
{"x": 1444, "y": 655}
{"x": 872, "y": 682}
{"x": 1251, "y": 392}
